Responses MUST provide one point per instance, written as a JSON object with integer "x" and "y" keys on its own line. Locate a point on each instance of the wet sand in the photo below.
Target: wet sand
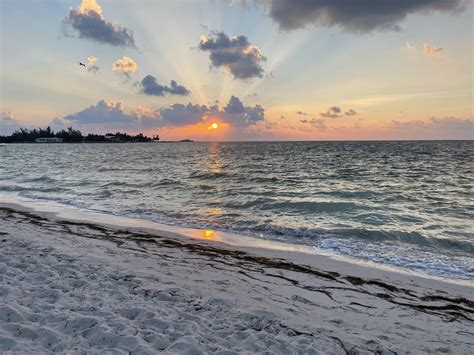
{"x": 72, "y": 285}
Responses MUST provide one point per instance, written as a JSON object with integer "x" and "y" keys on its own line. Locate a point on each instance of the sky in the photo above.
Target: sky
{"x": 240, "y": 70}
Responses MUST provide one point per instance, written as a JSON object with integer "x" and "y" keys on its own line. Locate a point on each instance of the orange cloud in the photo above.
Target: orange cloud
{"x": 429, "y": 50}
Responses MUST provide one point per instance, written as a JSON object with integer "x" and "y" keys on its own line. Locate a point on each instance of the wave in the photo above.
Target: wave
{"x": 411, "y": 250}
{"x": 208, "y": 175}
{"x": 315, "y": 236}
{"x": 313, "y": 206}
{"x": 42, "y": 178}
{"x": 18, "y": 188}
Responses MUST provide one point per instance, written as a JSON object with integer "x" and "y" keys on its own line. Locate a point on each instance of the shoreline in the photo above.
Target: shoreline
{"x": 299, "y": 253}
{"x": 102, "y": 286}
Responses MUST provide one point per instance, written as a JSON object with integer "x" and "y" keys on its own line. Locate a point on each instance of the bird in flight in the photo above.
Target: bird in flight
{"x": 80, "y": 63}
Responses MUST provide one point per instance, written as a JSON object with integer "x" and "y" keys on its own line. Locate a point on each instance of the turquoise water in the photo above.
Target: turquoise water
{"x": 407, "y": 204}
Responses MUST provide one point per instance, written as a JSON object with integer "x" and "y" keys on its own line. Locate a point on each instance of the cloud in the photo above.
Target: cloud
{"x": 239, "y": 57}
{"x": 465, "y": 124}
{"x": 430, "y": 50}
{"x": 353, "y": 16}
{"x": 6, "y": 116}
{"x": 149, "y": 86}
{"x": 91, "y": 66}
{"x": 105, "y": 115}
{"x": 409, "y": 47}
{"x": 8, "y": 124}
{"x": 88, "y": 21}
{"x": 316, "y": 123}
{"x": 125, "y": 66}
{"x": 301, "y": 113}
{"x": 447, "y": 127}
{"x": 234, "y": 113}
{"x": 112, "y": 115}
{"x": 178, "y": 114}
{"x": 332, "y": 112}
{"x": 351, "y": 112}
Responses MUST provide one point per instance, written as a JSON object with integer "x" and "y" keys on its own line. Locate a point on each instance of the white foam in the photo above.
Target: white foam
{"x": 70, "y": 212}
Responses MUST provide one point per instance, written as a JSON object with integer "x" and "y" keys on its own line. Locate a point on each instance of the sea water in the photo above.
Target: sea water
{"x": 404, "y": 204}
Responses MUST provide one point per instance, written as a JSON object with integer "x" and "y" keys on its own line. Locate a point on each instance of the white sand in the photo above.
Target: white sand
{"x": 72, "y": 286}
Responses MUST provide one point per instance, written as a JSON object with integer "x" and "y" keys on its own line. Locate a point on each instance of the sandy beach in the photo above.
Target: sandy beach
{"x": 76, "y": 286}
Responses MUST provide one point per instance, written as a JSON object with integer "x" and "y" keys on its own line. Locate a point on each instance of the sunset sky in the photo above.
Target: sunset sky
{"x": 258, "y": 70}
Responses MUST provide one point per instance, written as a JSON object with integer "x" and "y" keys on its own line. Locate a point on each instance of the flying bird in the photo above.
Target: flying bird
{"x": 80, "y": 63}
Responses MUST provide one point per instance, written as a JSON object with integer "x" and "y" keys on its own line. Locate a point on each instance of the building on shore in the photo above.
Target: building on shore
{"x": 48, "y": 140}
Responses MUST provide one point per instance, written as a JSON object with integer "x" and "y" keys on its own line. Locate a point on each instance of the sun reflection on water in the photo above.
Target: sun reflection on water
{"x": 207, "y": 234}
{"x": 214, "y": 163}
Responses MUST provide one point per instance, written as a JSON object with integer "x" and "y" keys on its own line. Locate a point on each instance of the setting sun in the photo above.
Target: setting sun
{"x": 214, "y": 126}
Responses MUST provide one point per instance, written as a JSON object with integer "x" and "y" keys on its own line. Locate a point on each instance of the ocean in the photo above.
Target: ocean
{"x": 402, "y": 204}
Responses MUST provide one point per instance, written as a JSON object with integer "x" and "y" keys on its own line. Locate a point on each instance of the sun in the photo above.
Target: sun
{"x": 213, "y": 126}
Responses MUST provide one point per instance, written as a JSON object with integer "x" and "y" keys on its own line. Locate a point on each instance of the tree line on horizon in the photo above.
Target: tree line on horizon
{"x": 71, "y": 135}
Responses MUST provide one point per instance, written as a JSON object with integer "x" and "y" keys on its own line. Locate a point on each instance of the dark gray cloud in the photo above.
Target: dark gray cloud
{"x": 353, "y": 16}
{"x": 301, "y": 113}
{"x": 178, "y": 114}
{"x": 332, "y": 112}
{"x": 89, "y": 23}
{"x": 149, "y": 86}
{"x": 104, "y": 114}
{"x": 111, "y": 115}
{"x": 241, "y": 58}
{"x": 237, "y": 114}
{"x": 234, "y": 105}
{"x": 350, "y": 112}
{"x": 234, "y": 113}
{"x": 255, "y": 114}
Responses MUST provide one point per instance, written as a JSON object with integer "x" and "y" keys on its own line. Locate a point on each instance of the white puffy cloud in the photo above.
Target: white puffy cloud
{"x": 125, "y": 66}
{"x": 88, "y": 21}
{"x": 91, "y": 66}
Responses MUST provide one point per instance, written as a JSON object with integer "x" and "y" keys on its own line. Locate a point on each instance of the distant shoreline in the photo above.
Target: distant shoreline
{"x": 182, "y": 141}
{"x": 270, "y": 141}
